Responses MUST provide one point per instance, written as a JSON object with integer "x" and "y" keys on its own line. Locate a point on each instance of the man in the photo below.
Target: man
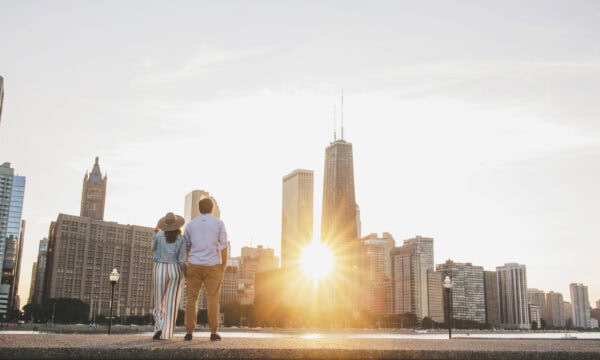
{"x": 206, "y": 241}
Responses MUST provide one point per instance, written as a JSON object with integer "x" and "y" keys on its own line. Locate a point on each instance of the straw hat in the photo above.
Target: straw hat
{"x": 170, "y": 222}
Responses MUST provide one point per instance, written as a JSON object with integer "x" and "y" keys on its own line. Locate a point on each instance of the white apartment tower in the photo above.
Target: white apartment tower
{"x": 580, "y": 306}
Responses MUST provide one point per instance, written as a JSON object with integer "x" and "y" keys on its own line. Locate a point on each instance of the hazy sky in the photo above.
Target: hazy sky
{"x": 476, "y": 123}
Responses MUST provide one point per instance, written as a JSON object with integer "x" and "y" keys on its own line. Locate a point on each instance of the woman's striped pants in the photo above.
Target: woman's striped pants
{"x": 166, "y": 283}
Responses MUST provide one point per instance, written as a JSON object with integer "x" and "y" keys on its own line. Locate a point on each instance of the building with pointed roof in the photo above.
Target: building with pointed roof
{"x": 93, "y": 195}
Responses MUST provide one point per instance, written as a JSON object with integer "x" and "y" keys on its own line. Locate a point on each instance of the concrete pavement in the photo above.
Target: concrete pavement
{"x": 66, "y": 346}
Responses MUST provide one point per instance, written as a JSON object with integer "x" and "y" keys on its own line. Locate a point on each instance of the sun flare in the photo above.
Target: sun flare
{"x": 317, "y": 261}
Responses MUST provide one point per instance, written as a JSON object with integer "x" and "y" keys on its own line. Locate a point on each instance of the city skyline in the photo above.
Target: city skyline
{"x": 483, "y": 136}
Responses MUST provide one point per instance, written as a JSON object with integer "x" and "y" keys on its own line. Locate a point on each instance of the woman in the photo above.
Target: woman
{"x": 169, "y": 253}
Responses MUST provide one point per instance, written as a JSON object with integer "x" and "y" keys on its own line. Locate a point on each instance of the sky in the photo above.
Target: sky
{"x": 476, "y": 123}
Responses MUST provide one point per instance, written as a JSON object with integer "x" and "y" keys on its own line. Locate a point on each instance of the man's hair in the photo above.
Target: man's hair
{"x": 205, "y": 206}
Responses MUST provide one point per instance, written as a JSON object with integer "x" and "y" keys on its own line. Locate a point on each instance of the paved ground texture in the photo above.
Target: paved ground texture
{"x": 67, "y": 346}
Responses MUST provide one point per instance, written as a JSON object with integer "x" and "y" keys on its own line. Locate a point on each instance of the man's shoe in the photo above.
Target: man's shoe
{"x": 157, "y": 335}
{"x": 187, "y": 337}
{"x": 215, "y": 337}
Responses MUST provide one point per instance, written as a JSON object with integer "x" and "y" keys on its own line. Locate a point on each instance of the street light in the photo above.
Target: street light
{"x": 114, "y": 277}
{"x": 447, "y": 288}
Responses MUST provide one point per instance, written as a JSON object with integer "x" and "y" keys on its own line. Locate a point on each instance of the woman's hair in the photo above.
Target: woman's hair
{"x": 172, "y": 235}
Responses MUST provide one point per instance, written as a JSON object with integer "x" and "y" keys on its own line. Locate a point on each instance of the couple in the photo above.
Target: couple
{"x": 205, "y": 244}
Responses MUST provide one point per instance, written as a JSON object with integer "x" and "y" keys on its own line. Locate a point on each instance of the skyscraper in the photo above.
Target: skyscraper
{"x": 82, "y": 251}
{"x": 339, "y": 223}
{"x": 555, "y": 310}
{"x": 410, "y": 264}
{"x": 39, "y": 275}
{"x": 512, "y": 294}
{"x": 538, "y": 297}
{"x": 296, "y": 216}
{"x": 12, "y": 190}
{"x": 468, "y": 293}
{"x": 580, "y": 306}
{"x": 93, "y": 194}
{"x": 377, "y": 273}
{"x": 492, "y": 309}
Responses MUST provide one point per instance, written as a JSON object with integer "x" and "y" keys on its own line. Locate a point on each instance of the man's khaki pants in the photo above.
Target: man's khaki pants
{"x": 211, "y": 277}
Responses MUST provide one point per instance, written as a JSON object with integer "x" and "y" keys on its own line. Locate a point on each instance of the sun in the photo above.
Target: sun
{"x": 317, "y": 261}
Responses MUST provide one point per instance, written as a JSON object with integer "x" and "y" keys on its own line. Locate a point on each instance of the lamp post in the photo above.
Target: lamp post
{"x": 114, "y": 277}
{"x": 447, "y": 289}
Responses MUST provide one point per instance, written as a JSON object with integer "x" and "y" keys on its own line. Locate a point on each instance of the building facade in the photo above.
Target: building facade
{"x": 435, "y": 295}
{"x": 492, "y": 308}
{"x": 38, "y": 277}
{"x": 512, "y": 295}
{"x": 468, "y": 293}
{"x": 12, "y": 229}
{"x": 339, "y": 222}
{"x": 538, "y": 297}
{"x": 580, "y": 304}
{"x": 82, "y": 253}
{"x": 376, "y": 262}
{"x": 409, "y": 265}
{"x": 296, "y": 216}
{"x": 555, "y": 310}
{"x": 93, "y": 194}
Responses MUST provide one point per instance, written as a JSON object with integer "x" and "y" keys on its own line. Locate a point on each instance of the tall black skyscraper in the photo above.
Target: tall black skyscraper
{"x": 339, "y": 221}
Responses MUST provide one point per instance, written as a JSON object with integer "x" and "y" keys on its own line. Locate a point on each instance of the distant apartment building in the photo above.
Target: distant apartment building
{"x": 435, "y": 295}
{"x": 492, "y": 306}
{"x": 568, "y": 312}
{"x": 252, "y": 261}
{"x": 83, "y": 250}
{"x": 12, "y": 230}
{"x": 296, "y": 216}
{"x": 468, "y": 294}
{"x": 538, "y": 297}
{"x": 512, "y": 294}
{"x": 555, "y": 310}
{"x": 377, "y": 268}
{"x": 38, "y": 277}
{"x": 409, "y": 265}
{"x": 580, "y": 303}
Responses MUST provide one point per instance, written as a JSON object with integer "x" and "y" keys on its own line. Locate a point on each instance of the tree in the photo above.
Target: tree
{"x": 66, "y": 310}
{"x": 427, "y": 323}
{"x": 34, "y": 313}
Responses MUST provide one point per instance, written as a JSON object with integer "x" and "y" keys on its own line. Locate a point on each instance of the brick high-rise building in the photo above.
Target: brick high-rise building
{"x": 83, "y": 250}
